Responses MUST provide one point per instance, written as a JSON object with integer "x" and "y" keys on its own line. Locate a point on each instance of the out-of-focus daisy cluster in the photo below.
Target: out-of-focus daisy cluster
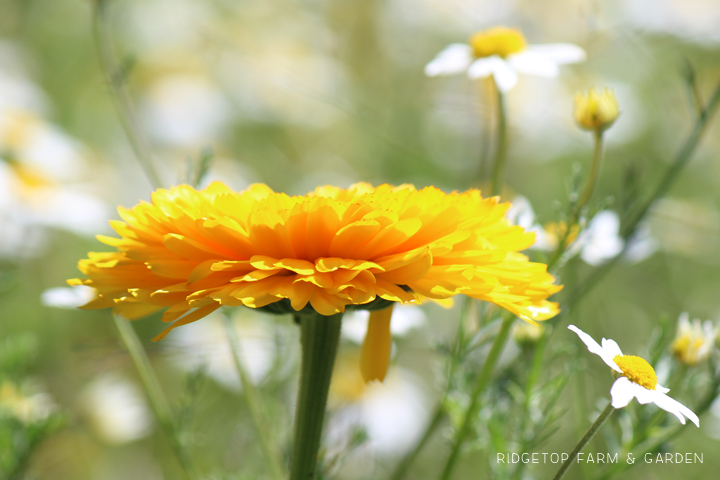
{"x": 45, "y": 174}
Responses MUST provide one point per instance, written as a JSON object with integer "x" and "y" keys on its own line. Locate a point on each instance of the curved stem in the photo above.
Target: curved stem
{"x": 482, "y": 383}
{"x": 319, "y": 337}
{"x": 157, "y": 398}
{"x": 121, "y": 98}
{"x": 500, "y": 144}
{"x": 584, "y": 440}
{"x": 254, "y": 402}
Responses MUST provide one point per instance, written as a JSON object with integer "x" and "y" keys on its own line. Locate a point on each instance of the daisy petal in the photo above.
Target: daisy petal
{"x": 611, "y": 347}
{"x": 454, "y": 59}
{"x": 622, "y": 392}
{"x": 559, "y": 53}
{"x": 643, "y": 395}
{"x": 661, "y": 389}
{"x": 483, "y": 67}
{"x": 676, "y": 408}
{"x": 505, "y": 76}
{"x": 534, "y": 64}
{"x": 595, "y": 348}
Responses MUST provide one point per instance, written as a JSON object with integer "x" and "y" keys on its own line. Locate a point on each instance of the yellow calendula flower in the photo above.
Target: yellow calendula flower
{"x": 693, "y": 341}
{"x": 596, "y": 109}
{"x": 188, "y": 252}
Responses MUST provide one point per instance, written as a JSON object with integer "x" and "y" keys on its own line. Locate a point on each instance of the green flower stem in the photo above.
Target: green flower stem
{"x": 671, "y": 175}
{"x": 254, "y": 402}
{"x": 319, "y": 338}
{"x": 500, "y": 144}
{"x": 482, "y": 383}
{"x": 150, "y": 382}
{"x": 584, "y": 440}
{"x": 598, "y": 153}
{"x": 121, "y": 98}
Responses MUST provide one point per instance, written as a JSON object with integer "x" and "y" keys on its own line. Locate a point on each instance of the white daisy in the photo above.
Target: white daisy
{"x": 116, "y": 409}
{"x": 502, "y": 52}
{"x": 693, "y": 341}
{"x": 638, "y": 379}
{"x": 67, "y": 297}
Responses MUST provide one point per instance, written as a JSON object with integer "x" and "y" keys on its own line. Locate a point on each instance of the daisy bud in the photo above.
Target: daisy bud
{"x": 595, "y": 109}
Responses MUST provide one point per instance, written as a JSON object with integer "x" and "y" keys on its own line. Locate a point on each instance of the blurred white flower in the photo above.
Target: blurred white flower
{"x": 67, "y": 297}
{"x": 185, "y": 110}
{"x": 41, "y": 169}
{"x": 693, "y": 341}
{"x": 116, "y": 409}
{"x": 393, "y": 413}
{"x": 405, "y": 318}
{"x": 503, "y": 53}
{"x": 522, "y": 214}
{"x": 596, "y": 244}
{"x": 210, "y": 347}
{"x": 601, "y": 241}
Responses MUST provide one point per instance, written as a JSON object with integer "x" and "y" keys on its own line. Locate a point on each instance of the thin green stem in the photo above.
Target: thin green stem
{"x": 254, "y": 402}
{"x": 482, "y": 382}
{"x": 150, "y": 382}
{"x": 319, "y": 337}
{"x": 671, "y": 175}
{"x": 594, "y": 175}
{"x": 594, "y": 172}
{"x": 121, "y": 98}
{"x": 500, "y": 144}
{"x": 584, "y": 440}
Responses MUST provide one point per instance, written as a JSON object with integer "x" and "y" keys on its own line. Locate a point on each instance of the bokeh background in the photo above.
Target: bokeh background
{"x": 297, "y": 94}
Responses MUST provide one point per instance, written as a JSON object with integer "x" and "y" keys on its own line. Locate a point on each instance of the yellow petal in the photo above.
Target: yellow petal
{"x": 375, "y": 356}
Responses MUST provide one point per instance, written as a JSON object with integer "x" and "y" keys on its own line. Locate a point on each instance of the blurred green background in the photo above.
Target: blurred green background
{"x": 297, "y": 94}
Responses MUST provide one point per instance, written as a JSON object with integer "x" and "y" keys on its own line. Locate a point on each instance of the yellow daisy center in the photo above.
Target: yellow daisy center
{"x": 637, "y": 370}
{"x": 502, "y": 41}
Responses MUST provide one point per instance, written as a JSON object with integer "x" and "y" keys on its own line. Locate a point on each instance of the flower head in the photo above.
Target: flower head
{"x": 595, "y": 109}
{"x": 192, "y": 251}
{"x": 693, "y": 341}
{"x": 503, "y": 52}
{"x": 637, "y": 379}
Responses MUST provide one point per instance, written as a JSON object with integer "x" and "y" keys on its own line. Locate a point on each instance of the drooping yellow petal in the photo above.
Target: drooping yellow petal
{"x": 375, "y": 356}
